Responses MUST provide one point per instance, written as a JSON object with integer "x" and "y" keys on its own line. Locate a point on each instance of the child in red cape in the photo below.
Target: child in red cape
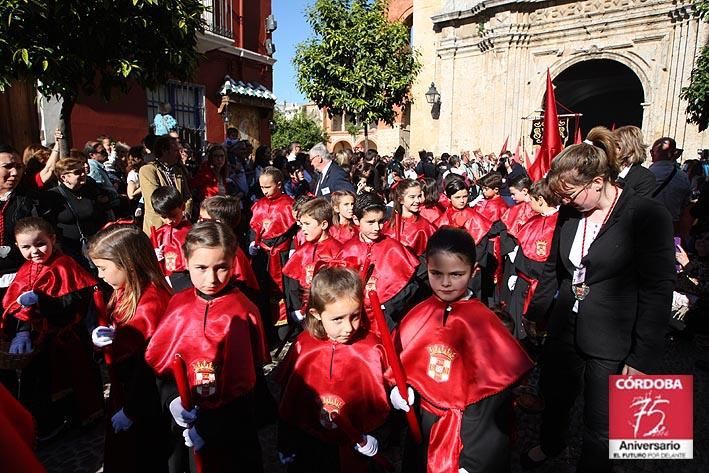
{"x": 126, "y": 261}
{"x": 314, "y": 217}
{"x": 385, "y": 265}
{"x": 462, "y": 362}
{"x": 335, "y": 367}
{"x": 45, "y": 307}
{"x": 169, "y": 238}
{"x": 431, "y": 209}
{"x": 218, "y": 333}
{"x": 342, "y": 228}
{"x": 17, "y": 437}
{"x": 226, "y": 210}
{"x": 406, "y": 225}
{"x": 272, "y": 229}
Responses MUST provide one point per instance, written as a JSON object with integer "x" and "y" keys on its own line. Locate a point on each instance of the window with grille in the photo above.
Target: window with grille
{"x": 187, "y": 101}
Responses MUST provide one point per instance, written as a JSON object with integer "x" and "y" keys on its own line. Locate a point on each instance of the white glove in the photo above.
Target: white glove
{"x": 22, "y": 343}
{"x": 102, "y": 336}
{"x": 27, "y": 299}
{"x": 512, "y": 282}
{"x": 286, "y": 459}
{"x": 193, "y": 439}
{"x": 159, "y": 253}
{"x": 253, "y": 249}
{"x": 370, "y": 448}
{"x": 120, "y": 421}
{"x": 182, "y": 417}
{"x": 399, "y": 402}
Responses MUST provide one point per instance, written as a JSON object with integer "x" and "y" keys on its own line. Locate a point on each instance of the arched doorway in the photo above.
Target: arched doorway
{"x": 604, "y": 91}
{"x": 371, "y": 145}
{"x": 341, "y": 146}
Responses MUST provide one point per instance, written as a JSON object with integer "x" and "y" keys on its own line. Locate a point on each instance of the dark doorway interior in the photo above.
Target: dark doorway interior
{"x": 605, "y": 92}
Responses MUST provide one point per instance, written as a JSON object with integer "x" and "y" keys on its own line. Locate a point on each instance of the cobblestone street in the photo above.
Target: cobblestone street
{"x": 80, "y": 451}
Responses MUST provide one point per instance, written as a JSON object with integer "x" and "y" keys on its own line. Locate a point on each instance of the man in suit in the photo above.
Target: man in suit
{"x": 330, "y": 177}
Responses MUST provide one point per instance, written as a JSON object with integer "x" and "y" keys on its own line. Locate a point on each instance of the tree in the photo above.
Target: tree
{"x": 697, "y": 93}
{"x": 301, "y": 129}
{"x": 358, "y": 62}
{"x": 89, "y": 46}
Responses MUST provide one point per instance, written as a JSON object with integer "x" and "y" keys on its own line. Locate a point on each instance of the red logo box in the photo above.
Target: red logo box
{"x": 650, "y": 417}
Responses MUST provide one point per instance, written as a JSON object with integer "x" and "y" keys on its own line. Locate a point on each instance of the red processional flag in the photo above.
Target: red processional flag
{"x": 504, "y": 145}
{"x": 517, "y": 155}
{"x": 577, "y": 136}
{"x": 551, "y": 138}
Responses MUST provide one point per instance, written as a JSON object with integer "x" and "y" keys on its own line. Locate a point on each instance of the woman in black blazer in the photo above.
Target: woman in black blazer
{"x": 604, "y": 295}
{"x": 632, "y": 152}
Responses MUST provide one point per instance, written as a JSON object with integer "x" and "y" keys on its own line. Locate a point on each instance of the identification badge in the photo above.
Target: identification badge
{"x": 4, "y": 251}
{"x": 325, "y": 190}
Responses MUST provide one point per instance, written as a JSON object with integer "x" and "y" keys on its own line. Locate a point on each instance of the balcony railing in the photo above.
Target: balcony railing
{"x": 219, "y": 17}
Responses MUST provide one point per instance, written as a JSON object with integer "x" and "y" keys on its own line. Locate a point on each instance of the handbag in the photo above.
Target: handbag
{"x": 82, "y": 238}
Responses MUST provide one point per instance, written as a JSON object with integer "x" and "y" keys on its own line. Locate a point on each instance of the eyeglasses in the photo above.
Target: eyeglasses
{"x": 566, "y": 199}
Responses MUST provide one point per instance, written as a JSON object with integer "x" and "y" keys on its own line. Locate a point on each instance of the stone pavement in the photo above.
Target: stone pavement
{"x": 80, "y": 451}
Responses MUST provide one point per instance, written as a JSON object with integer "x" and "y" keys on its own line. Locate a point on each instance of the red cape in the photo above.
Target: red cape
{"x": 221, "y": 341}
{"x": 272, "y": 217}
{"x": 433, "y": 213}
{"x": 301, "y": 264}
{"x": 492, "y": 209}
{"x": 172, "y": 238}
{"x": 131, "y": 337}
{"x": 516, "y": 217}
{"x": 468, "y": 219}
{"x": 320, "y": 377}
{"x": 393, "y": 265}
{"x": 412, "y": 232}
{"x": 455, "y": 355}
{"x": 17, "y": 437}
{"x": 342, "y": 233}
{"x": 59, "y": 276}
{"x": 535, "y": 237}
{"x": 243, "y": 271}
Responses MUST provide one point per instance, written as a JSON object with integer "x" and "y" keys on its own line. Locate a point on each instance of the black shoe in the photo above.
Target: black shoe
{"x": 527, "y": 463}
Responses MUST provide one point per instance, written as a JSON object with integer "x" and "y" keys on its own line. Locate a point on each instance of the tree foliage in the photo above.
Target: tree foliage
{"x": 358, "y": 61}
{"x": 89, "y": 46}
{"x": 697, "y": 93}
{"x": 301, "y": 129}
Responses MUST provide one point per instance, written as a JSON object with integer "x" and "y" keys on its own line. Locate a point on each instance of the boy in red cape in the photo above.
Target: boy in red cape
{"x": 386, "y": 266}
{"x": 169, "y": 238}
{"x": 315, "y": 217}
{"x": 534, "y": 248}
{"x": 218, "y": 332}
{"x": 272, "y": 227}
{"x": 45, "y": 307}
{"x": 462, "y": 362}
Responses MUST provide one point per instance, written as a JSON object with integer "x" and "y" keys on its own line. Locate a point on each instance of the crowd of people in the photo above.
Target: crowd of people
{"x": 175, "y": 278}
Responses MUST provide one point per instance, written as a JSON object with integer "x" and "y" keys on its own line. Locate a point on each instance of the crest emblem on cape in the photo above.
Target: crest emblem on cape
{"x": 540, "y": 247}
{"x": 440, "y": 361}
{"x": 205, "y": 378}
{"x": 330, "y": 404}
{"x": 265, "y": 225}
{"x": 171, "y": 261}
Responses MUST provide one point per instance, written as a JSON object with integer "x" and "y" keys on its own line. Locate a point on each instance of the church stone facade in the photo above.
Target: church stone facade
{"x": 488, "y": 60}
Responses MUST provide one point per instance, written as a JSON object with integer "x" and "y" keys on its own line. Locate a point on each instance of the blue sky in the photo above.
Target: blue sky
{"x": 292, "y": 29}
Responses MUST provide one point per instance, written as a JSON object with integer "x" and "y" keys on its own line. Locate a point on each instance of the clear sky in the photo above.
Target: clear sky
{"x": 292, "y": 29}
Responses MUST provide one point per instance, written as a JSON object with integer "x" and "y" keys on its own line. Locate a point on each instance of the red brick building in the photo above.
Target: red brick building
{"x": 237, "y": 44}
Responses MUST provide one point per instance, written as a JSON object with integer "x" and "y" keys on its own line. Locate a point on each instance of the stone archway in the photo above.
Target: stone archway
{"x": 371, "y": 145}
{"x": 605, "y": 91}
{"x": 341, "y": 146}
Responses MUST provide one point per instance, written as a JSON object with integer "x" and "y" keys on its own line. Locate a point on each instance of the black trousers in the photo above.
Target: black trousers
{"x": 566, "y": 373}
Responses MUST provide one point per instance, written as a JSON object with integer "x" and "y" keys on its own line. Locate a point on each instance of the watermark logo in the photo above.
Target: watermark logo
{"x": 650, "y": 417}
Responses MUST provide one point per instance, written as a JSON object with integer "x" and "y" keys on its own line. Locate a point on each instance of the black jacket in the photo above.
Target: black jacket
{"x": 335, "y": 179}
{"x": 640, "y": 179}
{"x": 630, "y": 271}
